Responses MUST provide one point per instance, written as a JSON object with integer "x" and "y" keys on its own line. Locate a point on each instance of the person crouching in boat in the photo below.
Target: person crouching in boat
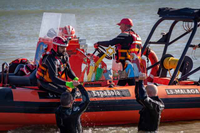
{"x": 152, "y": 106}
{"x": 126, "y": 42}
{"x": 53, "y": 65}
{"x": 68, "y": 115}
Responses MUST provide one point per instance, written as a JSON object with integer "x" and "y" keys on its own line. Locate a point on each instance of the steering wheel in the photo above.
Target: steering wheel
{"x": 102, "y": 51}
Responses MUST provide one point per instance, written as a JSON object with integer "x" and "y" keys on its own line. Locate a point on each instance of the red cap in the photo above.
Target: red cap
{"x": 126, "y": 21}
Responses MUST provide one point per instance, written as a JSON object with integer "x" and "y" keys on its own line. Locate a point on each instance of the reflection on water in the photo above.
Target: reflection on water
{"x": 173, "y": 127}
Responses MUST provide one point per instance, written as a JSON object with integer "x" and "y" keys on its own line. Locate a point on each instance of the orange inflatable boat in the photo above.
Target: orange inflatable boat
{"x": 23, "y": 104}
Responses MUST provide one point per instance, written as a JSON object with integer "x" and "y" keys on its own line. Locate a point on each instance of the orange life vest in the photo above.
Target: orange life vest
{"x": 124, "y": 50}
{"x": 42, "y": 70}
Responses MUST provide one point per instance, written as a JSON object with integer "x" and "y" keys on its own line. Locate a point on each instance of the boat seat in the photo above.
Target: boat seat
{"x": 21, "y": 80}
{"x": 165, "y": 81}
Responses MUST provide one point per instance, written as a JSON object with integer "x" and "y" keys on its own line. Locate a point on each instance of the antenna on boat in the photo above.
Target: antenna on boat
{"x": 187, "y": 26}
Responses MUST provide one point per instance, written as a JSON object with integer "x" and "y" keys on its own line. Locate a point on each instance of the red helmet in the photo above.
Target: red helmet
{"x": 68, "y": 31}
{"x": 59, "y": 41}
{"x": 126, "y": 21}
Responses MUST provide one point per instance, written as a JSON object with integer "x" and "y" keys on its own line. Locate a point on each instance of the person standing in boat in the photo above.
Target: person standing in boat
{"x": 126, "y": 42}
{"x": 152, "y": 106}
{"x": 53, "y": 66}
{"x": 68, "y": 115}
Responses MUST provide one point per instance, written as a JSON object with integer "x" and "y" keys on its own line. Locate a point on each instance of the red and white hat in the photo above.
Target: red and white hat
{"x": 68, "y": 31}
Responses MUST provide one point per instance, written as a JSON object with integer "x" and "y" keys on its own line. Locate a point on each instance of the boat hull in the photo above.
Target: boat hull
{"x": 109, "y": 106}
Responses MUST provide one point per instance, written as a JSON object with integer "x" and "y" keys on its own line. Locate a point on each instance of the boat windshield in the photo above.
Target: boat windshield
{"x": 52, "y": 25}
{"x": 53, "y": 22}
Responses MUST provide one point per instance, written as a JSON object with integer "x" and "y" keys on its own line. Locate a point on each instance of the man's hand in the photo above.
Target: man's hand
{"x": 96, "y": 45}
{"x": 142, "y": 76}
{"x": 75, "y": 83}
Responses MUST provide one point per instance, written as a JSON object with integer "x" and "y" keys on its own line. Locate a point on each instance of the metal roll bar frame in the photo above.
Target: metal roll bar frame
{"x": 167, "y": 43}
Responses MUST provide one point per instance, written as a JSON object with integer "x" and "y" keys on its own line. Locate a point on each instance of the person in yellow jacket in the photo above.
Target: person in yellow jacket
{"x": 53, "y": 65}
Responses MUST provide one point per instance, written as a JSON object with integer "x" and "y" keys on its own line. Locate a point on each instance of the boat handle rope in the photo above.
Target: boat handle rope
{"x": 7, "y": 73}
{"x": 193, "y": 52}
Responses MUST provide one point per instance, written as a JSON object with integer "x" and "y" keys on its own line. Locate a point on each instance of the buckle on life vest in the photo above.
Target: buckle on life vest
{"x": 128, "y": 51}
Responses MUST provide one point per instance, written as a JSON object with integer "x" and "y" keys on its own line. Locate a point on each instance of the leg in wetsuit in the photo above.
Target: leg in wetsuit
{"x": 50, "y": 87}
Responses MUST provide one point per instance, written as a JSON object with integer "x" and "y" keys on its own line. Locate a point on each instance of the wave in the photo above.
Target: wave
{"x": 22, "y": 12}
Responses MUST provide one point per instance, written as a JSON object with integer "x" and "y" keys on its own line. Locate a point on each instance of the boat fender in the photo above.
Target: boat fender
{"x": 151, "y": 55}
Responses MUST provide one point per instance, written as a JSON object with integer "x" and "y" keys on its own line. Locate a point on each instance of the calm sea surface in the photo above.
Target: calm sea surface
{"x": 20, "y": 22}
